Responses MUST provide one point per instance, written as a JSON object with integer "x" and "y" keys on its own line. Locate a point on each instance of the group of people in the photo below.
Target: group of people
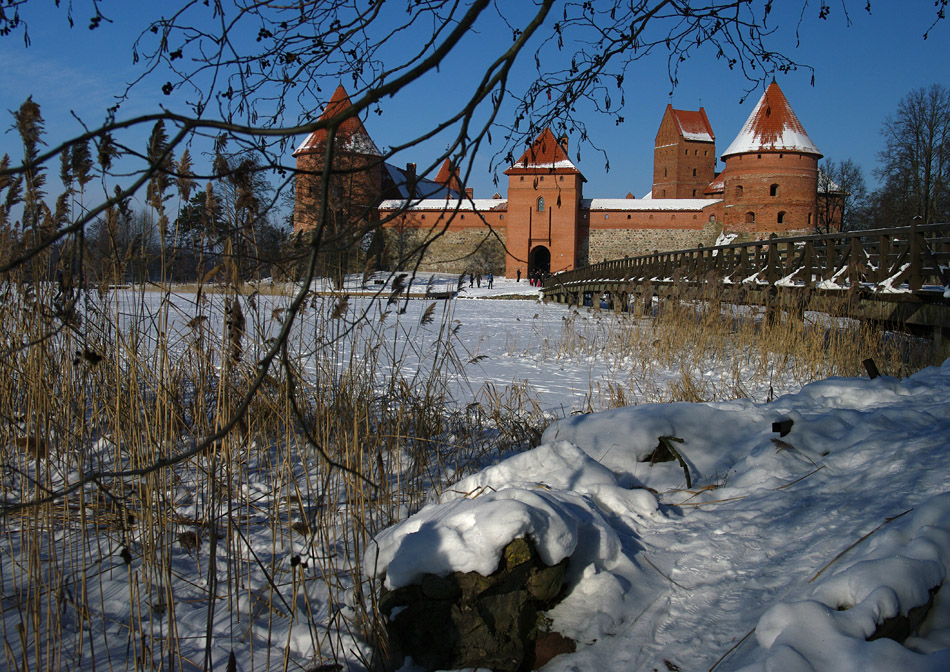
{"x": 536, "y": 277}
{"x": 475, "y": 279}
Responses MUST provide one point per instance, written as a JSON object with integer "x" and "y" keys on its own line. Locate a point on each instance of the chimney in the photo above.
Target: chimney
{"x": 563, "y": 142}
{"x": 411, "y": 179}
{"x": 470, "y": 192}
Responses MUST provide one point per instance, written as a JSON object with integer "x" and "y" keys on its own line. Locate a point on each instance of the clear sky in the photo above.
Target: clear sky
{"x": 861, "y": 71}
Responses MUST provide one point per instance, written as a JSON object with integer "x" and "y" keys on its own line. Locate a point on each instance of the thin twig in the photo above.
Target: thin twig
{"x": 838, "y": 557}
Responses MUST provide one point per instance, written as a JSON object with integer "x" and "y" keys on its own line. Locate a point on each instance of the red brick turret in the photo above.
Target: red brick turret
{"x": 771, "y": 176}
{"x": 684, "y": 155}
{"x": 356, "y": 177}
{"x": 544, "y": 194}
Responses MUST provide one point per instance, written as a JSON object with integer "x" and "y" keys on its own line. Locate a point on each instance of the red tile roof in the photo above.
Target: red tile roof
{"x": 772, "y": 127}
{"x": 718, "y": 185}
{"x": 449, "y": 176}
{"x": 694, "y": 125}
{"x": 545, "y": 152}
{"x": 350, "y": 136}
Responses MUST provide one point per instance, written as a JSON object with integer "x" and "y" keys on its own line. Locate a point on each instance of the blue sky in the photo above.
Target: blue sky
{"x": 861, "y": 72}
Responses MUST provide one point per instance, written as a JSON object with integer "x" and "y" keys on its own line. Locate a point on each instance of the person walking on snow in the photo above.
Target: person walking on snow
{"x": 491, "y": 279}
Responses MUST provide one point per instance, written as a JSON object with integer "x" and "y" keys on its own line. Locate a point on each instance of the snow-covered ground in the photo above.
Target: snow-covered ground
{"x": 782, "y": 554}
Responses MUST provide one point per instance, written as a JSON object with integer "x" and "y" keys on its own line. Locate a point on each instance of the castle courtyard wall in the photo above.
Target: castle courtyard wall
{"x": 466, "y": 241}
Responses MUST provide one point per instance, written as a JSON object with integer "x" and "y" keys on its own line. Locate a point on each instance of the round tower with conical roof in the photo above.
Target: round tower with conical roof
{"x": 770, "y": 180}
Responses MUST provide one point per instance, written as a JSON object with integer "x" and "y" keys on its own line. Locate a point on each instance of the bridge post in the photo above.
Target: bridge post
{"x": 915, "y": 252}
{"x": 771, "y": 307}
{"x": 941, "y": 341}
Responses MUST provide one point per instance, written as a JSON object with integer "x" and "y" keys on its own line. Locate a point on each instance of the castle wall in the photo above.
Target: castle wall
{"x": 353, "y": 192}
{"x": 748, "y": 182}
{"x": 646, "y": 232}
{"x": 466, "y": 242}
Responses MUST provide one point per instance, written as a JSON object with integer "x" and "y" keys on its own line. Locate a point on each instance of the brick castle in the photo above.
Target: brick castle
{"x": 769, "y": 184}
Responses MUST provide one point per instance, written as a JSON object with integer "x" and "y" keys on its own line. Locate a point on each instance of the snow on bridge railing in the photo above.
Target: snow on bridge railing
{"x": 903, "y": 258}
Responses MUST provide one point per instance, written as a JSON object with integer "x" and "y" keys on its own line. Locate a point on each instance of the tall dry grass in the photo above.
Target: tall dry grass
{"x": 112, "y": 548}
{"x": 117, "y": 552}
{"x": 710, "y": 350}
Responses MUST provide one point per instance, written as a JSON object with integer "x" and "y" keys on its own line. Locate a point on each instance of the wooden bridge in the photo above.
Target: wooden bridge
{"x": 898, "y": 277}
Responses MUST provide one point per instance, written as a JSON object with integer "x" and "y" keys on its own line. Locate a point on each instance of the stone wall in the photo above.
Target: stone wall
{"x": 616, "y": 243}
{"x": 466, "y": 620}
{"x": 473, "y": 249}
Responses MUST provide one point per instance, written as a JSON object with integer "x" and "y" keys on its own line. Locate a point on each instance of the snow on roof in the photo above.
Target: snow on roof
{"x": 453, "y": 203}
{"x": 772, "y": 126}
{"x": 717, "y": 186}
{"x": 544, "y": 153}
{"x": 687, "y": 204}
{"x": 694, "y": 125}
{"x": 828, "y": 186}
{"x": 351, "y": 136}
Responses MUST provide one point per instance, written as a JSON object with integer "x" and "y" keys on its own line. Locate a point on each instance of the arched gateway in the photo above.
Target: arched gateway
{"x": 540, "y": 260}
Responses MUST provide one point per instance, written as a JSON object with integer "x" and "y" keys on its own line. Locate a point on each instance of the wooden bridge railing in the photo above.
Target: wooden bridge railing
{"x": 905, "y": 259}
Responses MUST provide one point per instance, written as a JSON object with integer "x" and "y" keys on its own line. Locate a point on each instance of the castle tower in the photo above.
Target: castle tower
{"x": 770, "y": 180}
{"x": 448, "y": 177}
{"x": 544, "y": 228}
{"x": 355, "y": 176}
{"x": 684, "y": 155}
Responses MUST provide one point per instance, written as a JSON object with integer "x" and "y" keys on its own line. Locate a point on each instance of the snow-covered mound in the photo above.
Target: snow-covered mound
{"x": 887, "y": 578}
{"x": 684, "y": 576}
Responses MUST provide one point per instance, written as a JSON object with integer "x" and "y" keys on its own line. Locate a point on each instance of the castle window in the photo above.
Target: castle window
{"x": 561, "y": 178}
{"x": 628, "y": 216}
{"x": 705, "y": 152}
{"x": 694, "y": 191}
{"x": 664, "y": 194}
{"x": 750, "y": 217}
{"x": 738, "y": 191}
{"x": 694, "y": 172}
{"x": 781, "y": 217}
{"x": 500, "y": 217}
{"x": 423, "y": 216}
{"x": 760, "y": 156}
{"x": 664, "y": 172}
{"x": 542, "y": 178}
{"x": 695, "y": 152}
{"x": 606, "y": 216}
{"x": 809, "y": 220}
{"x": 687, "y": 152}
{"x": 773, "y": 190}
{"x": 522, "y": 178}
{"x": 712, "y": 218}
{"x": 540, "y": 203}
